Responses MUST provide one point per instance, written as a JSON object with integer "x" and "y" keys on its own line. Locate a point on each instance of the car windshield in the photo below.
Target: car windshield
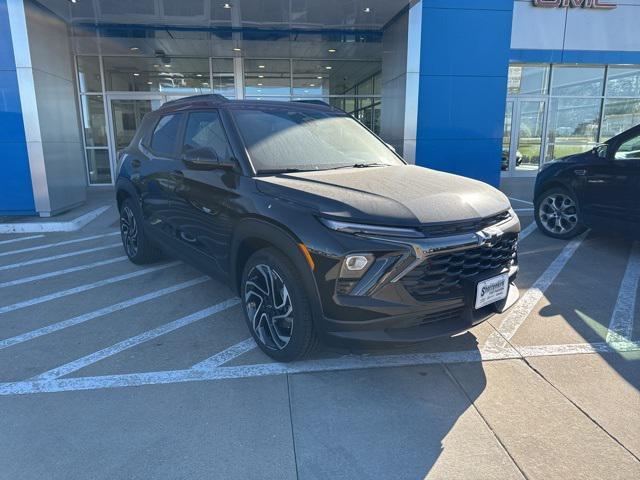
{"x": 285, "y": 140}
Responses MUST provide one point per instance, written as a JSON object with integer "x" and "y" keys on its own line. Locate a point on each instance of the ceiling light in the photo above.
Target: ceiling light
{"x": 156, "y": 65}
{"x": 366, "y": 10}
{"x": 259, "y": 84}
{"x": 260, "y": 66}
{"x": 149, "y": 83}
{"x": 319, "y": 77}
{"x": 136, "y": 74}
{"x": 236, "y": 49}
{"x": 332, "y": 50}
{"x": 168, "y": 65}
{"x": 134, "y": 49}
{"x": 328, "y": 67}
{"x": 73, "y": 1}
{"x": 312, "y": 84}
{"x": 198, "y": 74}
{"x": 226, "y": 5}
{"x": 205, "y": 83}
{"x": 260, "y": 76}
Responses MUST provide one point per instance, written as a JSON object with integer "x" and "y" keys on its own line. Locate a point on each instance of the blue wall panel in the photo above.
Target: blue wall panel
{"x": 16, "y": 193}
{"x": 463, "y": 86}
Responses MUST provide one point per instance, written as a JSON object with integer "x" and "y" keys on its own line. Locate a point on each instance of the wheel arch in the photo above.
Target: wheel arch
{"x": 125, "y": 189}
{"x": 253, "y": 234}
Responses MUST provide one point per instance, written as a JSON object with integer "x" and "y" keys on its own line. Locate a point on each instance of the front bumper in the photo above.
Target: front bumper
{"x": 385, "y": 307}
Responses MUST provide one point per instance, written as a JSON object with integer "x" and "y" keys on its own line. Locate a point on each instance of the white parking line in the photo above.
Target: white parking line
{"x": 54, "y": 327}
{"x": 226, "y": 355}
{"x": 526, "y": 202}
{"x": 621, "y": 325}
{"x": 309, "y": 366}
{"x": 57, "y": 273}
{"x": 87, "y": 360}
{"x": 20, "y": 239}
{"x": 523, "y": 307}
{"x": 84, "y": 288}
{"x": 58, "y": 257}
{"x": 523, "y": 210}
{"x": 58, "y": 244}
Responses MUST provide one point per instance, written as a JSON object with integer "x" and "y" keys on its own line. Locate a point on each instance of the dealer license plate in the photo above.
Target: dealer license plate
{"x": 491, "y": 290}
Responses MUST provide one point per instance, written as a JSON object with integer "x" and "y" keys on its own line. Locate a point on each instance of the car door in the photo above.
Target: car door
{"x": 204, "y": 204}
{"x": 612, "y": 180}
{"x": 157, "y": 179}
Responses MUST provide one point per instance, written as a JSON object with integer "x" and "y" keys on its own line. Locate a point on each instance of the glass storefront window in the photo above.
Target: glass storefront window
{"x": 577, "y": 81}
{"x": 620, "y": 114}
{"x": 573, "y": 126}
{"x": 89, "y": 74}
{"x": 506, "y": 137}
{"x": 623, "y": 82}
{"x": 223, "y": 82}
{"x": 98, "y": 165}
{"x": 337, "y": 77}
{"x": 267, "y": 77}
{"x": 94, "y": 120}
{"x": 142, "y": 74}
{"x": 528, "y": 80}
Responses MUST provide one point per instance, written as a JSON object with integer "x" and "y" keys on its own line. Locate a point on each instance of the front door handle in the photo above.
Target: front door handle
{"x": 580, "y": 171}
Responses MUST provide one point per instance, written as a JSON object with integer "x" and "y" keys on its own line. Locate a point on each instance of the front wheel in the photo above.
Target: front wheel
{"x": 276, "y": 306}
{"x": 557, "y": 214}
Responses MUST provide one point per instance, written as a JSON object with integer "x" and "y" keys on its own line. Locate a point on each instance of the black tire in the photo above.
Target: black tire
{"x": 268, "y": 306}
{"x": 137, "y": 245}
{"x": 557, "y": 213}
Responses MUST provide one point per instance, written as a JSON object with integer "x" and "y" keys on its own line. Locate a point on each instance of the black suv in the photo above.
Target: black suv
{"x": 595, "y": 189}
{"x": 324, "y": 232}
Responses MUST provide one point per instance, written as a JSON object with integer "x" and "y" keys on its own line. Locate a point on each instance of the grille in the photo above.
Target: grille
{"x": 437, "y": 230}
{"x": 440, "y": 275}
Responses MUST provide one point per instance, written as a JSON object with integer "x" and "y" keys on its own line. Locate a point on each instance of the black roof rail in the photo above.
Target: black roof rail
{"x": 209, "y": 97}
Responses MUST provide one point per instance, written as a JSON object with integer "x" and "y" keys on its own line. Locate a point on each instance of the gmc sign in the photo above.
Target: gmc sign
{"x": 595, "y": 4}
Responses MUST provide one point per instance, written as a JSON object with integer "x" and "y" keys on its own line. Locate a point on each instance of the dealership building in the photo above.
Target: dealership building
{"x": 488, "y": 89}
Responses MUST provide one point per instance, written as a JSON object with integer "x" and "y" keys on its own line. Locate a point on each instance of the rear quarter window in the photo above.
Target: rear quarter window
{"x": 165, "y": 134}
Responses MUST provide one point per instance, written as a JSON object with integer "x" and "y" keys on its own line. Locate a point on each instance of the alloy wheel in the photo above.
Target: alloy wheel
{"x": 129, "y": 231}
{"x": 558, "y": 213}
{"x": 268, "y": 305}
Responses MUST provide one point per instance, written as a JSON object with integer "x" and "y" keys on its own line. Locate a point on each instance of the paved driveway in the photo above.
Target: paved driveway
{"x": 110, "y": 370}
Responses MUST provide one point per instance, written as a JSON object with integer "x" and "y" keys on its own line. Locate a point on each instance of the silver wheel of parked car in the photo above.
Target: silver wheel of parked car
{"x": 129, "y": 231}
{"x": 269, "y": 307}
{"x": 558, "y": 213}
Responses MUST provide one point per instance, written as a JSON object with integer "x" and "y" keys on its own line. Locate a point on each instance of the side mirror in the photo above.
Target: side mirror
{"x": 205, "y": 158}
{"x": 601, "y": 150}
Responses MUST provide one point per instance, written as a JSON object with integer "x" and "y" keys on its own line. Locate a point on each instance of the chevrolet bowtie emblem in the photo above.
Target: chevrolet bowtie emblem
{"x": 489, "y": 236}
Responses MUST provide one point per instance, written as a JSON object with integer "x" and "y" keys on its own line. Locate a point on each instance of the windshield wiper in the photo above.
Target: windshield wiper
{"x": 361, "y": 165}
{"x": 274, "y": 171}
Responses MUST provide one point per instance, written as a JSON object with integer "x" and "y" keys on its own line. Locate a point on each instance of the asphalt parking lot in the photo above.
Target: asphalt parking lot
{"x": 110, "y": 370}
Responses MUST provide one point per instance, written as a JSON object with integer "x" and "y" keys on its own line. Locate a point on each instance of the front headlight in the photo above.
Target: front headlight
{"x": 365, "y": 229}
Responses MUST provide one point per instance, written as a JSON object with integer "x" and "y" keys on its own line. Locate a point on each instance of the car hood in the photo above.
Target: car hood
{"x": 397, "y": 195}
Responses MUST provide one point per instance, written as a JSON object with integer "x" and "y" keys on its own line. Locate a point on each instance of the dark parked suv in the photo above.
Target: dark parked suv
{"x": 324, "y": 232}
{"x": 595, "y": 189}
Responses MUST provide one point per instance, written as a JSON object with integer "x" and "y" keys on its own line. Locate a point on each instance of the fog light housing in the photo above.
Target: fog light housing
{"x": 353, "y": 267}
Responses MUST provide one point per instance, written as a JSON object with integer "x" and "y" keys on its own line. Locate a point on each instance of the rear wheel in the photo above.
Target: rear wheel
{"x": 557, "y": 214}
{"x": 276, "y": 306}
{"x": 136, "y": 244}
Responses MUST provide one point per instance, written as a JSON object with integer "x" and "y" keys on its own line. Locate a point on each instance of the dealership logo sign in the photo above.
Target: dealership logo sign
{"x": 595, "y": 4}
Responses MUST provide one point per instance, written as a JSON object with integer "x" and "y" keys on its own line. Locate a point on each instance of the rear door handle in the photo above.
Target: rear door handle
{"x": 580, "y": 171}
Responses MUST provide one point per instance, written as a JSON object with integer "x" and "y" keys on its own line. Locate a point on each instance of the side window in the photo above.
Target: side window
{"x": 629, "y": 149}
{"x": 163, "y": 140}
{"x": 205, "y": 131}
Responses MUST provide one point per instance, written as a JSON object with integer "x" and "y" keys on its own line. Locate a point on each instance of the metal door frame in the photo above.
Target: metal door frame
{"x": 515, "y": 134}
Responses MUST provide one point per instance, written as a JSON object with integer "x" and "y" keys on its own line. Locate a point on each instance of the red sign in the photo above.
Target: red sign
{"x": 595, "y": 4}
